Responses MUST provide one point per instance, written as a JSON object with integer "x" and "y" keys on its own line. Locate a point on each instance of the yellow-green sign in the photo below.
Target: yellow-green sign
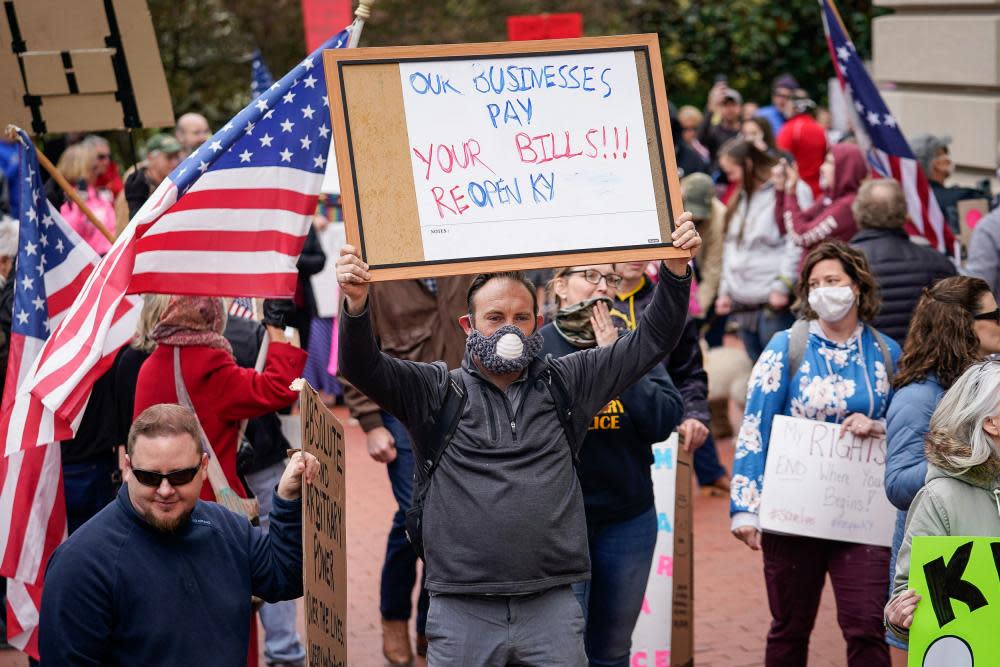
{"x": 957, "y": 623}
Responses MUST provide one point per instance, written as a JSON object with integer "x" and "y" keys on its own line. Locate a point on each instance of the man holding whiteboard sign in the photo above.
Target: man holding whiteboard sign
{"x": 503, "y": 522}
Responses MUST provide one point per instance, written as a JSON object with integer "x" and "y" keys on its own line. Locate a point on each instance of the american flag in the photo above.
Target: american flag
{"x": 260, "y": 75}
{"x": 241, "y": 307}
{"x": 878, "y": 132}
{"x": 53, "y": 262}
{"x": 230, "y": 220}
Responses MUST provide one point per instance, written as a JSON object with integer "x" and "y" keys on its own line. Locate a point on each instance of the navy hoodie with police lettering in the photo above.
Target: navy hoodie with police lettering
{"x": 119, "y": 592}
{"x": 617, "y": 453}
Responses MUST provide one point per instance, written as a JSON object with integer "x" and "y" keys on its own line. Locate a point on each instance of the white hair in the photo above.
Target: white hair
{"x": 962, "y": 413}
{"x": 93, "y": 141}
{"x": 8, "y": 237}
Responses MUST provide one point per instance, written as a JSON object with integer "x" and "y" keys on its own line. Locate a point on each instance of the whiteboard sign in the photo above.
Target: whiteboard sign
{"x": 464, "y": 158}
{"x": 549, "y": 147}
{"x": 818, "y": 484}
{"x": 651, "y": 636}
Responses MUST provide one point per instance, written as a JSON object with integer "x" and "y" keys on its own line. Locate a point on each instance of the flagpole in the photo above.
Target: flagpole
{"x": 13, "y": 135}
{"x": 362, "y": 14}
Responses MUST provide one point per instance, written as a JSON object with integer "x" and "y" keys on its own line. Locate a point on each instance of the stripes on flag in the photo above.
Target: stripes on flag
{"x": 53, "y": 263}
{"x": 878, "y": 133}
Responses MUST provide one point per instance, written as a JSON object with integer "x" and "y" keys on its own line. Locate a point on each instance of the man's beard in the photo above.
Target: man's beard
{"x": 169, "y": 526}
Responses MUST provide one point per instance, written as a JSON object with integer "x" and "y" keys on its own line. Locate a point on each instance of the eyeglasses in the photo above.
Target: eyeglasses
{"x": 175, "y": 477}
{"x": 992, "y": 315}
{"x": 593, "y": 276}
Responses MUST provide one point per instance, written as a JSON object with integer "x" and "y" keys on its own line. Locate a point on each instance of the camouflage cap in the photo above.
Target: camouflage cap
{"x": 698, "y": 191}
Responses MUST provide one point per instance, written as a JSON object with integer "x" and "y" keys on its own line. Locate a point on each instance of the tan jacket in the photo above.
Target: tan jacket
{"x": 709, "y": 259}
{"x": 413, "y": 324}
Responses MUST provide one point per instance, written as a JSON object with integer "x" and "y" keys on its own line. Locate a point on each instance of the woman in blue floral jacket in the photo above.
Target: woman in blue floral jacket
{"x": 842, "y": 378}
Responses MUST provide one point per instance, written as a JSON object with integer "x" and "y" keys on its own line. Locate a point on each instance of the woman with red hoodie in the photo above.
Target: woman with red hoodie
{"x": 830, "y": 217}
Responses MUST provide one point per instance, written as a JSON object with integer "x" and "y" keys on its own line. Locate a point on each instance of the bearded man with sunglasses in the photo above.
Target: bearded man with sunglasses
{"x": 161, "y": 577}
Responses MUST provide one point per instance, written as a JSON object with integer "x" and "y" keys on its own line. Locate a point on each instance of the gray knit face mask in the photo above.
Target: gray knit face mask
{"x": 507, "y": 350}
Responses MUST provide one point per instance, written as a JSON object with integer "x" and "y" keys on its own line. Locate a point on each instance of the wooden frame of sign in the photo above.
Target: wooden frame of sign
{"x": 385, "y": 201}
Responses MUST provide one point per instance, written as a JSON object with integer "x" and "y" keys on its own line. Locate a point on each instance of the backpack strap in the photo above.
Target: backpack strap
{"x": 444, "y": 426}
{"x": 798, "y": 339}
{"x": 884, "y": 349}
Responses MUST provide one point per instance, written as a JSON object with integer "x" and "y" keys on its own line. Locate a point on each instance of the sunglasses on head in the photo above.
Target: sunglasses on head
{"x": 174, "y": 477}
{"x": 992, "y": 315}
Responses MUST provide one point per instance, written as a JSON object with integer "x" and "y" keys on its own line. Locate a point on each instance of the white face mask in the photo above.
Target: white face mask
{"x": 832, "y": 303}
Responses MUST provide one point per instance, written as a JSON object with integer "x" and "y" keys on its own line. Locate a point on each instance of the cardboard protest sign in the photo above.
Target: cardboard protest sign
{"x": 79, "y": 66}
{"x": 821, "y": 485}
{"x": 682, "y": 634}
{"x": 957, "y": 623}
{"x": 479, "y": 157}
{"x": 324, "y": 540}
{"x": 663, "y": 635}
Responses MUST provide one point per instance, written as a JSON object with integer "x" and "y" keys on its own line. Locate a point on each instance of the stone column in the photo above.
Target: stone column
{"x": 937, "y": 63}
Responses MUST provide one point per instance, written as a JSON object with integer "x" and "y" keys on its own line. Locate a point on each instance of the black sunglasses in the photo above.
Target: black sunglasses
{"x": 992, "y": 315}
{"x": 174, "y": 477}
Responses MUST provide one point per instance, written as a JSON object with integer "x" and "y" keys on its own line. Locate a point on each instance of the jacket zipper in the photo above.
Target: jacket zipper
{"x": 506, "y": 407}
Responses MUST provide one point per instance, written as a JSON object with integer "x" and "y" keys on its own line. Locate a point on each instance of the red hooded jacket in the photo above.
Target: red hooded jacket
{"x": 830, "y": 217}
{"x": 805, "y": 139}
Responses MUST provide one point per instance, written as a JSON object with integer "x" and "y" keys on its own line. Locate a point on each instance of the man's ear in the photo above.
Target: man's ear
{"x": 990, "y": 426}
{"x": 465, "y": 321}
{"x": 204, "y": 461}
{"x": 539, "y": 321}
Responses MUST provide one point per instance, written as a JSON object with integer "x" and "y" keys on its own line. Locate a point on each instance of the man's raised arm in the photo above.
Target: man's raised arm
{"x": 409, "y": 390}
{"x": 597, "y": 375}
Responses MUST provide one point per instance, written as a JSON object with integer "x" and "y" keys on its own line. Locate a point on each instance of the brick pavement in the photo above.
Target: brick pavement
{"x": 731, "y": 615}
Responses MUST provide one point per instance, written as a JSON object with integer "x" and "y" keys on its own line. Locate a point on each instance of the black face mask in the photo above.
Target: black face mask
{"x": 573, "y": 322}
{"x": 508, "y": 350}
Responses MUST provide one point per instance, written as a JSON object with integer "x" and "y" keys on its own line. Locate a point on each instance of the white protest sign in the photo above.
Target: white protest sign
{"x": 821, "y": 485}
{"x": 548, "y": 147}
{"x": 651, "y": 636}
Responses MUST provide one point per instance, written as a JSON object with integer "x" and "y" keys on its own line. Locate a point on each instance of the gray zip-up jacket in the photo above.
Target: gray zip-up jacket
{"x": 504, "y": 513}
{"x": 950, "y": 503}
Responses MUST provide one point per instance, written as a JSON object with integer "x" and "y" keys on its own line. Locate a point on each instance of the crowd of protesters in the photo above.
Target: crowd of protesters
{"x": 540, "y": 522}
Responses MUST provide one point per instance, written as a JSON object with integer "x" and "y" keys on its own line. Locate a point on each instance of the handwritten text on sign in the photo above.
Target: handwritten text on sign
{"x": 958, "y": 579}
{"x": 651, "y": 636}
{"x": 821, "y": 485}
{"x": 323, "y": 539}
{"x": 551, "y": 148}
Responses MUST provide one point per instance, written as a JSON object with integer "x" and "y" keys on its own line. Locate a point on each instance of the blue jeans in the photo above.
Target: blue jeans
{"x": 399, "y": 572}
{"x": 706, "y": 463}
{"x": 281, "y": 640}
{"x": 88, "y": 488}
{"x": 769, "y": 323}
{"x": 620, "y": 557}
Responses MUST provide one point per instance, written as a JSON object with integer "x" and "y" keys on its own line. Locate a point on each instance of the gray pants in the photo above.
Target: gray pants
{"x": 539, "y": 630}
